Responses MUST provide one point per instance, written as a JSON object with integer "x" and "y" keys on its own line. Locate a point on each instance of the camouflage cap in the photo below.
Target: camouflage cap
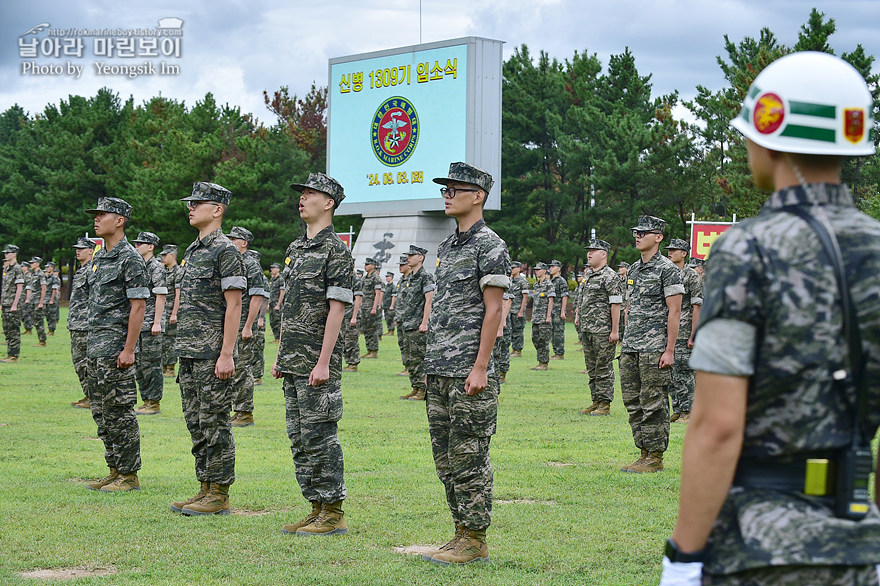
{"x": 370, "y": 261}
{"x": 204, "y": 191}
{"x": 555, "y": 263}
{"x": 147, "y": 238}
{"x": 413, "y": 249}
{"x": 51, "y": 264}
{"x": 25, "y": 265}
{"x": 35, "y": 259}
{"x": 464, "y": 173}
{"x": 241, "y": 234}
{"x": 596, "y": 244}
{"x": 83, "y": 242}
{"x": 114, "y": 205}
{"x": 515, "y": 264}
{"x": 389, "y": 274}
{"x": 623, "y": 264}
{"x": 541, "y": 266}
{"x": 360, "y": 272}
{"x": 168, "y": 249}
{"x": 255, "y": 254}
{"x": 651, "y": 224}
{"x": 274, "y": 265}
{"x": 11, "y": 248}
{"x": 324, "y": 184}
{"x": 403, "y": 259}
{"x": 697, "y": 262}
{"x": 679, "y": 244}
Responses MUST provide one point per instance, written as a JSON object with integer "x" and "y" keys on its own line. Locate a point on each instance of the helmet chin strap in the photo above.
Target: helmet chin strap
{"x": 798, "y": 174}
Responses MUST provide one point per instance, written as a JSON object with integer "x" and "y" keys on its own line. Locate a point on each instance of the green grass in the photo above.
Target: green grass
{"x": 577, "y": 519}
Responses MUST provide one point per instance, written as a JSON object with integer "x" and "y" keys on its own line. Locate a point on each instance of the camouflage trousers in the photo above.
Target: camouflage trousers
{"x": 644, "y": 389}
{"x": 206, "y": 402}
{"x": 501, "y": 351}
{"x": 12, "y": 330}
{"x": 169, "y": 353}
{"x": 681, "y": 387}
{"x": 389, "y": 319}
{"x": 461, "y": 428}
{"x": 53, "y": 314}
{"x": 39, "y": 321}
{"x": 243, "y": 379}
{"x": 558, "y": 334}
{"x": 78, "y": 345}
{"x": 351, "y": 343}
{"x": 799, "y": 576}
{"x": 517, "y": 332}
{"x": 599, "y": 360}
{"x": 27, "y": 315}
{"x": 541, "y": 333}
{"x": 312, "y": 414}
{"x": 274, "y": 316}
{"x": 112, "y": 395}
{"x": 148, "y": 366}
{"x": 413, "y": 344}
{"x": 258, "y": 362}
{"x": 371, "y": 327}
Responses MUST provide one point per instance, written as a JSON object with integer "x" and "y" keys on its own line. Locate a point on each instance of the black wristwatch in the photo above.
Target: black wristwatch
{"x": 677, "y": 556}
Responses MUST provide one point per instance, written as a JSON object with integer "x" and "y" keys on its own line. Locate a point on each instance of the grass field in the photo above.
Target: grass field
{"x": 563, "y": 514}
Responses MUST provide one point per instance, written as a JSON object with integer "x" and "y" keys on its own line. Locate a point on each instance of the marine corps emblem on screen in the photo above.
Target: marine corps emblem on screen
{"x": 395, "y": 131}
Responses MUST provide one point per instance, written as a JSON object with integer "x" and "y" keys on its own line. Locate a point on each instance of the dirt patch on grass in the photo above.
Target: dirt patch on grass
{"x": 68, "y": 573}
{"x": 91, "y": 437}
{"x": 4, "y": 425}
{"x": 257, "y": 513}
{"x": 560, "y": 464}
{"x": 416, "y": 549}
{"x": 522, "y": 502}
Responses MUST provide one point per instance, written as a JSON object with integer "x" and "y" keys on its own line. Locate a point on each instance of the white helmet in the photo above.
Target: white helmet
{"x": 809, "y": 103}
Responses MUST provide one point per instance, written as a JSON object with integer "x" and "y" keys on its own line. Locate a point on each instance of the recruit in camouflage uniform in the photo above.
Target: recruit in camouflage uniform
{"x": 462, "y": 392}
{"x": 258, "y": 363}
{"x": 386, "y": 302}
{"x": 398, "y": 308}
{"x": 317, "y": 287}
{"x": 557, "y": 330}
{"x": 251, "y": 305}
{"x": 370, "y": 319}
{"x": 351, "y": 348}
{"x": 654, "y": 292}
{"x": 210, "y": 299}
{"x": 78, "y": 316}
{"x": 53, "y": 290}
{"x": 148, "y": 358}
{"x": 37, "y": 299}
{"x": 542, "y": 328}
{"x": 27, "y": 318}
{"x": 622, "y": 269}
{"x": 118, "y": 289}
{"x": 681, "y": 387}
{"x": 11, "y": 300}
{"x": 275, "y": 289}
{"x": 598, "y": 319}
{"x": 168, "y": 256}
{"x": 519, "y": 289}
{"x": 501, "y": 351}
{"x": 417, "y": 296}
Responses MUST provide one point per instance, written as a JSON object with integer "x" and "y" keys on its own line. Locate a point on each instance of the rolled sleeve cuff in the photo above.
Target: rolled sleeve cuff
{"x": 358, "y": 293}
{"x": 340, "y": 294}
{"x": 612, "y": 299}
{"x": 429, "y": 288}
{"x": 160, "y": 290}
{"x": 551, "y": 294}
{"x": 177, "y": 286}
{"x": 500, "y": 281}
{"x": 696, "y": 301}
{"x": 137, "y": 293}
{"x": 257, "y": 291}
{"x": 725, "y": 346}
{"x": 19, "y": 281}
{"x": 673, "y": 290}
{"x": 237, "y": 282}
{"x": 379, "y": 288}
{"x": 56, "y": 287}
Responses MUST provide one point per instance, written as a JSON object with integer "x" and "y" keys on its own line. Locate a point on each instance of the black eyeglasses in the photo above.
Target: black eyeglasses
{"x": 191, "y": 205}
{"x": 451, "y": 192}
{"x": 642, "y": 233}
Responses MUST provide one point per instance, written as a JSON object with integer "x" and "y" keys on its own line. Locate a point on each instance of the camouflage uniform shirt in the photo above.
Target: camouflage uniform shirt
{"x": 78, "y": 314}
{"x": 211, "y": 265}
{"x": 648, "y": 285}
{"x": 597, "y": 294}
{"x": 693, "y": 295}
{"x": 256, "y": 286}
{"x": 117, "y": 276}
{"x": 544, "y": 291}
{"x": 467, "y": 263}
{"x": 38, "y": 280}
{"x": 369, "y": 285}
{"x": 560, "y": 286}
{"x": 53, "y": 283}
{"x": 172, "y": 280}
{"x": 276, "y": 286}
{"x": 319, "y": 270}
{"x": 12, "y": 277}
{"x": 412, "y": 297}
{"x": 156, "y": 281}
{"x": 518, "y": 287}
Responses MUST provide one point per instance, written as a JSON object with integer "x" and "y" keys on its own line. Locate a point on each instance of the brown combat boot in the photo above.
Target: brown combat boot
{"x": 584, "y": 371}
{"x": 541, "y": 366}
{"x": 685, "y": 417}
{"x": 10, "y": 359}
{"x": 177, "y": 506}
{"x": 602, "y": 409}
{"x": 403, "y": 372}
{"x": 419, "y": 396}
{"x": 459, "y": 531}
{"x": 215, "y": 502}
{"x": 292, "y": 528}
{"x": 558, "y": 357}
{"x": 168, "y": 371}
{"x": 28, "y": 332}
{"x": 350, "y": 368}
{"x": 41, "y": 343}
{"x": 653, "y": 462}
{"x": 589, "y": 409}
{"x": 330, "y": 521}
{"x": 82, "y": 403}
{"x": 632, "y": 467}
{"x": 123, "y": 483}
{"x": 149, "y": 407}
{"x": 370, "y": 354}
{"x": 674, "y": 417}
{"x": 516, "y": 354}
{"x": 411, "y": 394}
{"x": 98, "y": 484}
{"x": 242, "y": 419}
{"x": 503, "y": 378}
{"x": 470, "y": 547}
{"x": 258, "y": 382}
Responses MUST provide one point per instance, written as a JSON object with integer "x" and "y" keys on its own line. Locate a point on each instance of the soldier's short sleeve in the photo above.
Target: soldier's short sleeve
{"x": 231, "y": 266}
{"x": 159, "y": 281}
{"x": 19, "y": 276}
{"x": 494, "y": 263}
{"x": 696, "y": 287}
{"x": 670, "y": 277}
{"x": 340, "y": 276}
{"x": 429, "y": 284}
{"x": 614, "y": 288}
{"x": 255, "y": 281}
{"x": 134, "y": 272}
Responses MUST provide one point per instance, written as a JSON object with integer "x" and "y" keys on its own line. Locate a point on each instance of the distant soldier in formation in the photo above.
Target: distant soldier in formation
{"x": 148, "y": 358}
{"x": 27, "y": 318}
{"x": 681, "y": 388}
{"x": 275, "y": 291}
{"x": 622, "y": 268}
{"x": 13, "y": 286}
{"x": 370, "y": 320}
{"x": 698, "y": 264}
{"x": 168, "y": 256}
{"x": 350, "y": 330}
{"x": 501, "y": 351}
{"x": 519, "y": 289}
{"x": 560, "y": 286}
{"x": 386, "y": 302}
{"x": 37, "y": 299}
{"x": 597, "y": 317}
{"x": 397, "y": 306}
{"x": 258, "y": 364}
{"x": 542, "y": 315}
{"x": 418, "y": 295}
{"x": 53, "y": 289}
{"x": 78, "y": 316}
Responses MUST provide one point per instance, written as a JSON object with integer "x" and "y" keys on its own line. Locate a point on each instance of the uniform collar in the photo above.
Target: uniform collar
{"x": 114, "y": 252}
{"x": 304, "y": 242}
{"x": 810, "y": 194}
{"x": 463, "y": 237}
{"x": 653, "y": 259}
{"x": 210, "y": 238}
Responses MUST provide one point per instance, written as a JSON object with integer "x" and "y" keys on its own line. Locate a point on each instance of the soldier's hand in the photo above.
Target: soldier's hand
{"x": 577, "y": 321}
{"x": 353, "y": 322}
{"x": 275, "y": 372}
{"x": 173, "y": 318}
{"x": 261, "y": 322}
{"x": 690, "y": 342}
{"x": 39, "y": 306}
{"x": 13, "y": 308}
{"x": 319, "y": 375}
{"x": 423, "y": 327}
{"x": 613, "y": 338}
{"x": 667, "y": 359}
{"x": 278, "y": 308}
{"x": 548, "y": 320}
{"x": 476, "y": 381}
{"x": 247, "y": 333}
{"x": 520, "y": 314}
{"x": 125, "y": 359}
{"x": 156, "y": 329}
{"x": 225, "y": 367}
{"x": 372, "y": 312}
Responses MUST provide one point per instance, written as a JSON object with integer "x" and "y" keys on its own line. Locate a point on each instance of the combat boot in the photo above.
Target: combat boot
{"x": 411, "y": 394}
{"x": 258, "y": 382}
{"x": 633, "y": 467}
{"x": 168, "y": 371}
{"x": 51, "y": 332}
{"x": 470, "y": 547}
{"x": 350, "y": 368}
{"x": 123, "y": 483}
{"x": 28, "y": 332}
{"x": 541, "y": 366}
{"x": 371, "y": 354}
{"x": 589, "y": 409}
{"x": 685, "y": 417}
{"x": 177, "y": 506}
{"x": 653, "y": 462}
{"x": 82, "y": 403}
{"x": 243, "y": 419}
{"x": 149, "y": 407}
{"x": 10, "y": 359}
{"x": 403, "y": 372}
{"x": 41, "y": 343}
{"x": 419, "y": 396}
{"x": 558, "y": 357}
{"x": 584, "y": 371}
{"x": 292, "y": 528}
{"x": 602, "y": 409}
{"x": 674, "y": 417}
{"x": 97, "y": 484}
{"x": 459, "y": 531}
{"x": 330, "y": 521}
{"x": 215, "y": 502}
{"x": 516, "y": 354}
{"x": 503, "y": 378}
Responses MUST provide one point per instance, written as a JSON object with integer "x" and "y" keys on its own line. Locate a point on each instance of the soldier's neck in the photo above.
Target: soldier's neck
{"x": 112, "y": 240}
{"x": 679, "y": 264}
{"x": 319, "y": 224}
{"x": 649, "y": 254}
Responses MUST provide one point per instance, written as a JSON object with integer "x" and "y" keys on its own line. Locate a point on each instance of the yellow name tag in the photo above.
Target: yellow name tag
{"x": 94, "y": 268}
{"x": 287, "y": 260}
{"x": 629, "y": 281}
{"x": 438, "y": 262}
{"x": 543, "y": 294}
{"x": 183, "y": 262}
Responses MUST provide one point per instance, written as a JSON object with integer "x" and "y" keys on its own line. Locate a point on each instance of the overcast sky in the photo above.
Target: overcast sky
{"x": 237, "y": 49}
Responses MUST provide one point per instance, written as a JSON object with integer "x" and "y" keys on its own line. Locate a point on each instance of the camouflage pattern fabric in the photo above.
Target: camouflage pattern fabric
{"x": 169, "y": 337}
{"x": 112, "y": 394}
{"x": 693, "y": 295}
{"x": 386, "y": 306}
{"x": 682, "y": 383}
{"x": 118, "y": 275}
{"x": 275, "y": 288}
{"x": 519, "y": 286}
{"x": 643, "y": 387}
{"x": 501, "y": 350}
{"x": 799, "y": 576}
{"x": 648, "y": 286}
{"x": 27, "y": 315}
{"x": 53, "y": 311}
{"x": 206, "y": 402}
{"x": 38, "y": 314}
{"x": 312, "y": 414}
{"x": 560, "y": 286}
{"x": 370, "y": 325}
{"x": 243, "y": 379}
{"x": 148, "y": 367}
{"x": 156, "y": 279}
{"x": 468, "y": 262}
{"x": 12, "y": 331}
{"x": 79, "y": 340}
{"x": 461, "y": 428}
{"x": 598, "y": 292}
{"x": 413, "y": 345}
{"x": 351, "y": 347}
{"x": 412, "y": 299}
{"x": 541, "y": 330}
{"x": 78, "y": 309}
{"x": 622, "y": 315}
{"x": 258, "y": 364}
{"x": 762, "y": 274}
{"x": 599, "y": 362}
{"x": 12, "y": 278}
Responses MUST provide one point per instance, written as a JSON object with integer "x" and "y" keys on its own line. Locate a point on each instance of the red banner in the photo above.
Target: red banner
{"x": 345, "y": 237}
{"x": 702, "y": 237}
